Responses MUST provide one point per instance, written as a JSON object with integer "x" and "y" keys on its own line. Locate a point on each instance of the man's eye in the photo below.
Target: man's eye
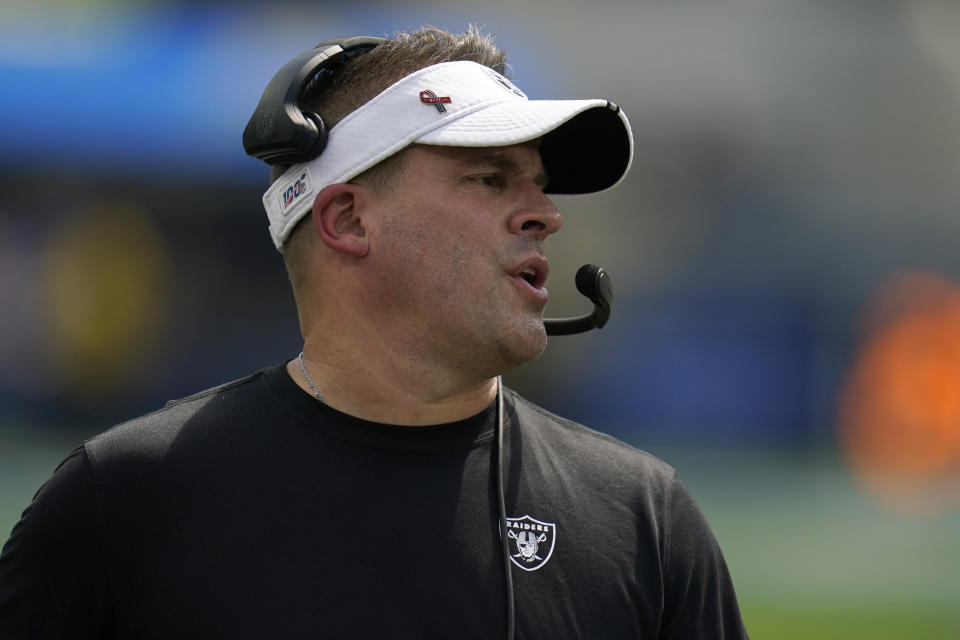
{"x": 490, "y": 181}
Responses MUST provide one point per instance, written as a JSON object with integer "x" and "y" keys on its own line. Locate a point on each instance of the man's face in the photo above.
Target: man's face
{"x": 460, "y": 242}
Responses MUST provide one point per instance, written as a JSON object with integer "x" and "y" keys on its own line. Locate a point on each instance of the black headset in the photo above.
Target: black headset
{"x": 280, "y": 130}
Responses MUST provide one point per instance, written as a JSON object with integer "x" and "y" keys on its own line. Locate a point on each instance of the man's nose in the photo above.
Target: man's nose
{"x": 537, "y": 217}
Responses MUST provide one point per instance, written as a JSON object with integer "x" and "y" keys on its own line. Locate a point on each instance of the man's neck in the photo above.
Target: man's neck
{"x": 401, "y": 397}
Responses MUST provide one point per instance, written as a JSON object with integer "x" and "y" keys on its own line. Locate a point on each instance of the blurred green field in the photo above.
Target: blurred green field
{"x": 811, "y": 557}
{"x": 807, "y": 620}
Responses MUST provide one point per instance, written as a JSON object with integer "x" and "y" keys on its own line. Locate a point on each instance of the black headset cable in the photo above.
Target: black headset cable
{"x": 502, "y": 514}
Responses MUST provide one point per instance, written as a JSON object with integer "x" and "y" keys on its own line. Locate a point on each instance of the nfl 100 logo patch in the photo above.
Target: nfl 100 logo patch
{"x": 294, "y": 189}
{"x": 533, "y": 541}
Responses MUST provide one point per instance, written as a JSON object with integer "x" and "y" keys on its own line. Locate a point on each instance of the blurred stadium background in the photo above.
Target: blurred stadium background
{"x": 785, "y": 254}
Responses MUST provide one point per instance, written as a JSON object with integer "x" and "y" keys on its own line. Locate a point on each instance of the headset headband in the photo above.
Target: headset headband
{"x": 280, "y": 131}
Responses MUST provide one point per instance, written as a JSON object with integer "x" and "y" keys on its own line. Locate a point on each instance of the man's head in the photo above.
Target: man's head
{"x": 429, "y": 197}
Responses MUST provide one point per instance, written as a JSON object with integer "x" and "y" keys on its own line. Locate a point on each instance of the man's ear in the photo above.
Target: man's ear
{"x": 338, "y": 221}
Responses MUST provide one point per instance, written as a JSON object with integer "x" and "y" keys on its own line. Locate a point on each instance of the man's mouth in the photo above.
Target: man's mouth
{"x": 530, "y": 275}
{"x": 534, "y": 272}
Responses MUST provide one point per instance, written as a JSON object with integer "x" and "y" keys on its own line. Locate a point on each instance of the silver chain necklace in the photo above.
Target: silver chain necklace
{"x": 306, "y": 375}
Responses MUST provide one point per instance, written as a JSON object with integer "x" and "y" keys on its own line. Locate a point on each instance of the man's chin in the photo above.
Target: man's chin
{"x": 526, "y": 344}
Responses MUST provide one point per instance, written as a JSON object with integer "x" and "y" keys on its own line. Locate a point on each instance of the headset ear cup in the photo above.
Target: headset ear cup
{"x": 280, "y": 132}
{"x": 320, "y": 135}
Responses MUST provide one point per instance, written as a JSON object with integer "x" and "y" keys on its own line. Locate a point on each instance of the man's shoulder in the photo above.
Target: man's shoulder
{"x": 201, "y": 414}
{"x": 568, "y": 440}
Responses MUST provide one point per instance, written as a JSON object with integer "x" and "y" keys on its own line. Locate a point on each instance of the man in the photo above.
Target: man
{"x": 352, "y": 491}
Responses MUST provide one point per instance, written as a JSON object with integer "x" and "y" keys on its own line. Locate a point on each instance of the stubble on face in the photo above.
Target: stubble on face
{"x": 444, "y": 251}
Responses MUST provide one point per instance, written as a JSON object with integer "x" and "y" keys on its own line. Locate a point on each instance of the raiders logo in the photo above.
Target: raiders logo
{"x": 533, "y": 540}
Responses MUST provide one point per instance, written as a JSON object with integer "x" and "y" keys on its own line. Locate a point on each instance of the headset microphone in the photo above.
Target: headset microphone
{"x": 593, "y": 282}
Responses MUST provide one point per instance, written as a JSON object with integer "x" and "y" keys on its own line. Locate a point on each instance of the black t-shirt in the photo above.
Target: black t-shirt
{"x": 254, "y": 511}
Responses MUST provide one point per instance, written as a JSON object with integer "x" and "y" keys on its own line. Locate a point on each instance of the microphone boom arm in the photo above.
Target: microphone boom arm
{"x": 593, "y": 282}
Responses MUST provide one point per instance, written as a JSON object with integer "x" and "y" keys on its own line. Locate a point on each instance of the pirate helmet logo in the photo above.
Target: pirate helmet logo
{"x": 533, "y": 540}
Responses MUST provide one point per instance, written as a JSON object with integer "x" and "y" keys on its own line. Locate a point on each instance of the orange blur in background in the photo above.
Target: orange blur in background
{"x": 900, "y": 411}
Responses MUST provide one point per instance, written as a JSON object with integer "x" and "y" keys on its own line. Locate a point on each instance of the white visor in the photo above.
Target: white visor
{"x": 586, "y": 146}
